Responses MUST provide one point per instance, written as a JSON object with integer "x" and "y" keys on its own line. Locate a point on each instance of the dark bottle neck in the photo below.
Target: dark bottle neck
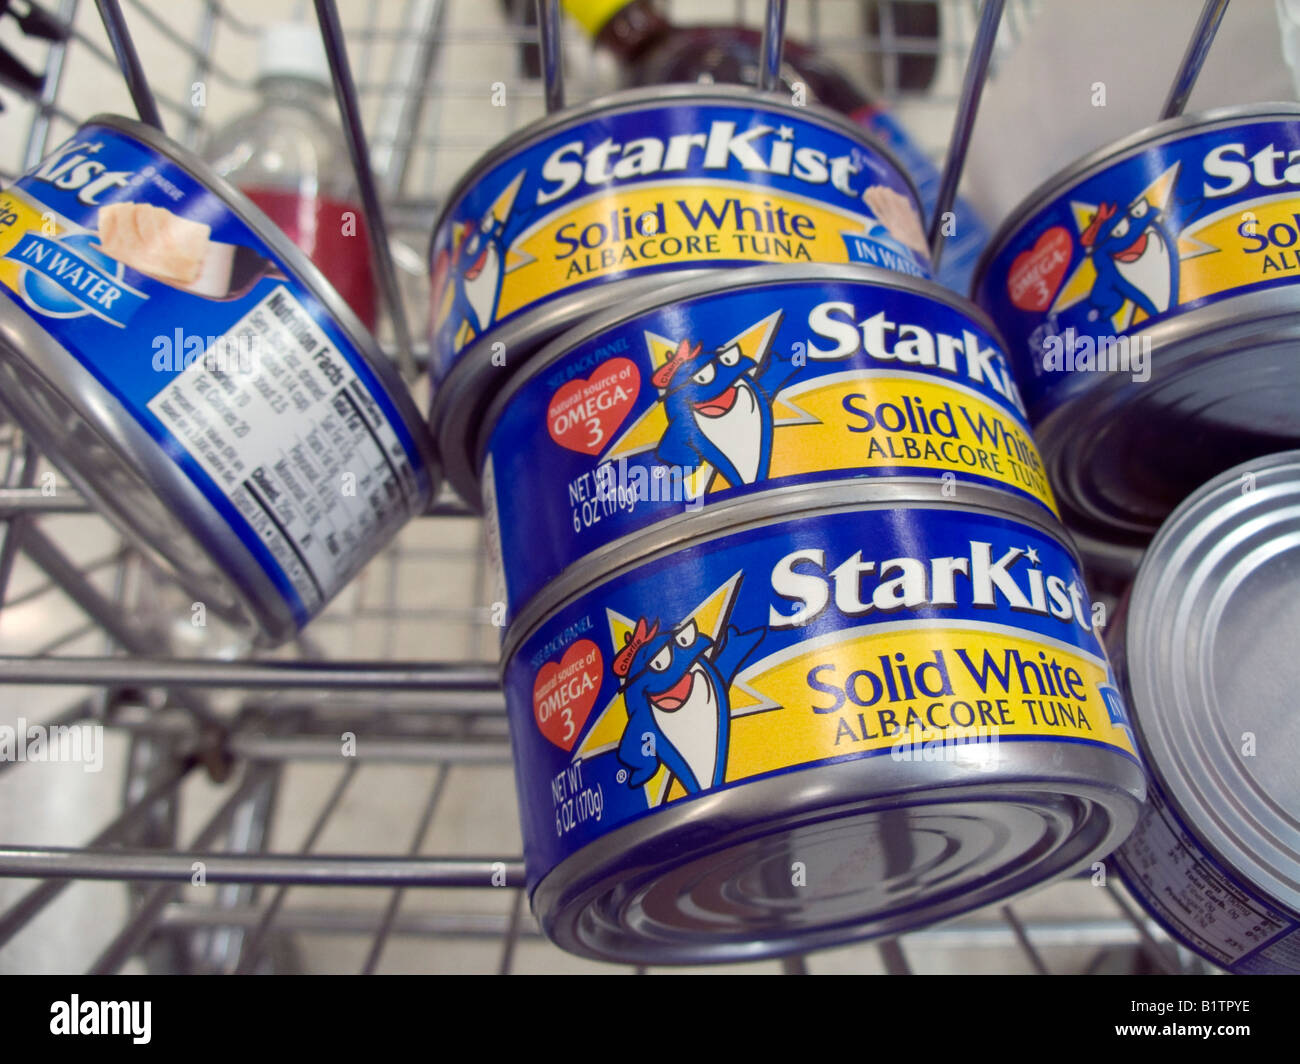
{"x": 635, "y": 28}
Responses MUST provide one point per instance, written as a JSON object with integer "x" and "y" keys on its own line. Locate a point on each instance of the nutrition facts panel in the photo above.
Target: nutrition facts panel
{"x": 1165, "y": 865}
{"x": 328, "y": 470}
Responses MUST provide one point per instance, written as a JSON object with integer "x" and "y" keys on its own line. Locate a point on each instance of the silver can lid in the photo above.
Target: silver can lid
{"x": 838, "y": 853}
{"x": 1213, "y": 656}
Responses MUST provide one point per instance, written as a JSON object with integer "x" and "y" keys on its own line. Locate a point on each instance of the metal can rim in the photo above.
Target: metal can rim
{"x": 1244, "y": 321}
{"x": 1111, "y": 153}
{"x": 1111, "y": 808}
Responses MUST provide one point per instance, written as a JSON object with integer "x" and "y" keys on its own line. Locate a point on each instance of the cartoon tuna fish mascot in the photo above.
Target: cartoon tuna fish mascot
{"x": 719, "y": 409}
{"x": 676, "y": 688}
{"x": 476, "y": 273}
{"x": 1135, "y": 256}
{"x": 467, "y": 277}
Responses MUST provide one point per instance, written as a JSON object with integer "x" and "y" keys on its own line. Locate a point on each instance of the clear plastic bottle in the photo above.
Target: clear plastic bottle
{"x": 289, "y": 157}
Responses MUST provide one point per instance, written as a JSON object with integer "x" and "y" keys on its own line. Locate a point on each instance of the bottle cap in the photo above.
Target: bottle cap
{"x": 592, "y": 15}
{"x": 293, "y": 50}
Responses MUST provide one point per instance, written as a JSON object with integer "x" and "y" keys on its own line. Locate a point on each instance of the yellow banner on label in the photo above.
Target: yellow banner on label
{"x": 923, "y": 694}
{"x": 679, "y": 224}
{"x": 20, "y": 217}
{"x": 875, "y": 421}
{"x": 1252, "y": 242}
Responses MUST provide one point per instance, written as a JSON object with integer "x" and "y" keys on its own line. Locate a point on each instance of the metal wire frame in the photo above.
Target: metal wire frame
{"x": 412, "y": 78}
{"x": 440, "y": 715}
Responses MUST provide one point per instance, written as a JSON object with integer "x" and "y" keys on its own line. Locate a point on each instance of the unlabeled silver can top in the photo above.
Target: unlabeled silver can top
{"x": 1213, "y": 652}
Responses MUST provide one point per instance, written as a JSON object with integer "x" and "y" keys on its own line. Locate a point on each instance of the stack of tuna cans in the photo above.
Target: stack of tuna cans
{"x": 1149, "y": 295}
{"x": 797, "y": 650}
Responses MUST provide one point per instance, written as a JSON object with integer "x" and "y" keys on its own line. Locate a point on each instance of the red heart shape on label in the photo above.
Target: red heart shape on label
{"x": 1036, "y": 274}
{"x": 564, "y": 692}
{"x": 584, "y": 414}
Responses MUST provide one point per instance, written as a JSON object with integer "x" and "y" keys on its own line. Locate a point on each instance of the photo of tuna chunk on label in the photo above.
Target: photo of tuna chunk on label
{"x": 154, "y": 241}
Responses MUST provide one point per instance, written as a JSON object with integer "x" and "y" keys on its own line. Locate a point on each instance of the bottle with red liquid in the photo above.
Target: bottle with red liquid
{"x": 289, "y": 157}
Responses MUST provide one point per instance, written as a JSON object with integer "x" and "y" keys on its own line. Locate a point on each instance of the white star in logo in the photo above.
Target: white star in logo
{"x": 1032, "y": 555}
{"x": 785, "y": 133}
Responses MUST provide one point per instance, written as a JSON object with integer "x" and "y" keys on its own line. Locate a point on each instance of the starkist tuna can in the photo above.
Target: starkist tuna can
{"x": 1149, "y": 299}
{"x": 834, "y": 718}
{"x": 596, "y": 204}
{"x": 1210, "y": 665}
{"x": 739, "y": 382}
{"x": 191, "y": 371}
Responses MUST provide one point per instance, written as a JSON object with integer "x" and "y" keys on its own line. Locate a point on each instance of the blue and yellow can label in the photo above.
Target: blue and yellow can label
{"x": 655, "y": 186}
{"x": 221, "y": 353}
{"x": 917, "y": 634}
{"x": 743, "y": 388}
{"x": 1203, "y": 215}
